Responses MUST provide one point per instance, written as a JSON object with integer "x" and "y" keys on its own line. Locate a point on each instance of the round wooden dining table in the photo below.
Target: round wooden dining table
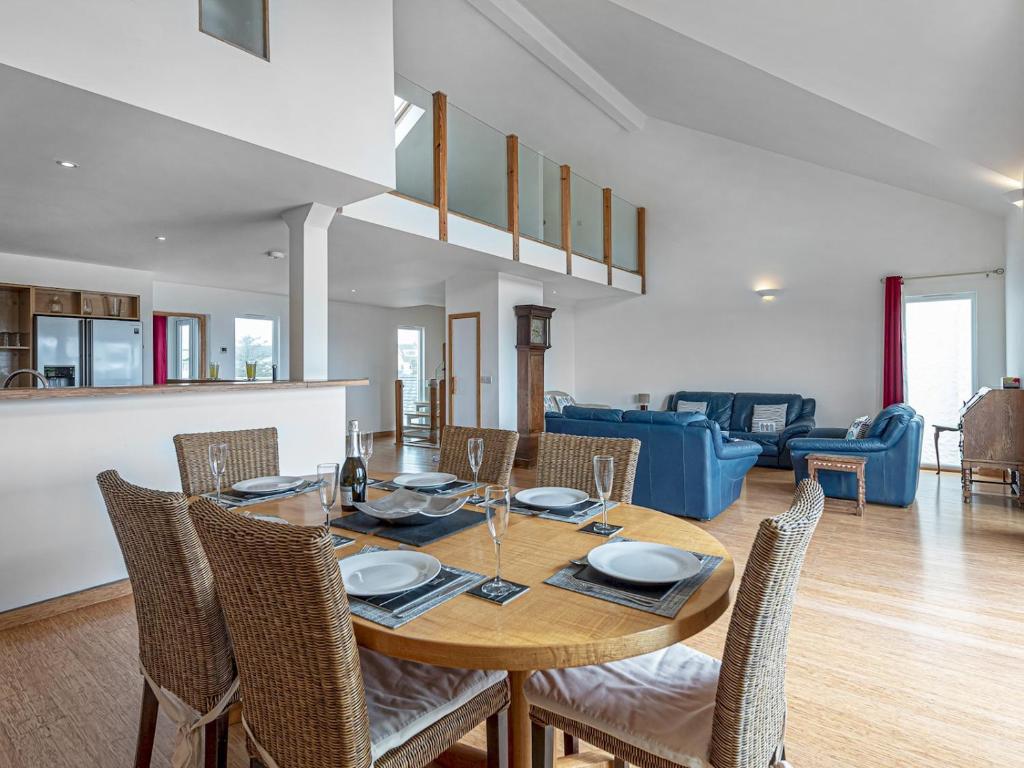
{"x": 545, "y": 628}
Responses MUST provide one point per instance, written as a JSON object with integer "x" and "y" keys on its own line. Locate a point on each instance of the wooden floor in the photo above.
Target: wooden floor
{"x": 907, "y": 647}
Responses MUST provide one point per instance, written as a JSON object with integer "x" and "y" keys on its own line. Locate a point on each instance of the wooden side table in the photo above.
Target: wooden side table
{"x": 833, "y": 463}
{"x": 939, "y": 429}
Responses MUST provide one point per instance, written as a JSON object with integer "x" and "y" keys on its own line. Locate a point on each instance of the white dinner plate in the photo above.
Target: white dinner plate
{"x": 381, "y": 573}
{"x": 425, "y": 479}
{"x": 551, "y": 498}
{"x": 272, "y": 484}
{"x": 642, "y": 562}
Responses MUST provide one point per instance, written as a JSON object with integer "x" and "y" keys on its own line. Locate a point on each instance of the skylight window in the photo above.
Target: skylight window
{"x": 407, "y": 115}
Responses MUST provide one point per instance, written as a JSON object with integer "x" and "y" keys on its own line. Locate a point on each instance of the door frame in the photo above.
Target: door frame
{"x": 202, "y": 334}
{"x": 451, "y": 368}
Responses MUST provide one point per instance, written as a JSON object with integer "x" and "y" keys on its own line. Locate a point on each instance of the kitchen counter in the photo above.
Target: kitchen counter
{"x": 206, "y": 387}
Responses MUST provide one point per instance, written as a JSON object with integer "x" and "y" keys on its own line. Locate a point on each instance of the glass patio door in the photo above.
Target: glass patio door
{"x": 941, "y": 366}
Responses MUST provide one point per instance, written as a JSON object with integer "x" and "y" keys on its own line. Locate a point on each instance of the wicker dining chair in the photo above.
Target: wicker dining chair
{"x": 678, "y": 707}
{"x": 568, "y": 461}
{"x": 312, "y": 697}
{"x": 184, "y": 646}
{"x": 251, "y": 453}
{"x": 499, "y": 453}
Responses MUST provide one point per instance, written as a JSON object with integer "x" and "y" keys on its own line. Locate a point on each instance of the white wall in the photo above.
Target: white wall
{"x": 1015, "y": 293}
{"x": 329, "y": 78}
{"x": 512, "y": 292}
{"x": 723, "y": 218}
{"x": 560, "y": 360}
{"x": 57, "y": 536}
{"x": 54, "y": 273}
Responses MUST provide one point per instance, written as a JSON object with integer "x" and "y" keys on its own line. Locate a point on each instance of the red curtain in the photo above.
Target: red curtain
{"x": 159, "y": 349}
{"x": 892, "y": 354}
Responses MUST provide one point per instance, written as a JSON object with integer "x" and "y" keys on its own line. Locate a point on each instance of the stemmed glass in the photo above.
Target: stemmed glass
{"x": 328, "y": 475}
{"x": 366, "y": 449}
{"x": 218, "y": 454}
{"x": 497, "y": 509}
{"x": 604, "y": 475}
{"x": 475, "y": 451}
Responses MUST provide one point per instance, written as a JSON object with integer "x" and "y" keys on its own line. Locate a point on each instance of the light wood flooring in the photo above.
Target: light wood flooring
{"x": 907, "y": 646}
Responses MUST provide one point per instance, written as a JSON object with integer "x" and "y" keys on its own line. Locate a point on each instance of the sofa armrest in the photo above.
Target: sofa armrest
{"x": 837, "y": 433}
{"x": 737, "y": 449}
{"x": 796, "y": 428}
{"x": 832, "y": 445}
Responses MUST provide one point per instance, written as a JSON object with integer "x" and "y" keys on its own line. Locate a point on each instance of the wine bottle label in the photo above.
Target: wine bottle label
{"x": 346, "y": 495}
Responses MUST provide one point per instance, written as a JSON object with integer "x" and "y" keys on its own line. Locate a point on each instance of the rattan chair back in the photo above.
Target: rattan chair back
{"x": 499, "y": 453}
{"x": 251, "y": 453}
{"x": 294, "y": 643}
{"x": 183, "y": 640}
{"x": 568, "y": 461}
{"x": 750, "y": 708}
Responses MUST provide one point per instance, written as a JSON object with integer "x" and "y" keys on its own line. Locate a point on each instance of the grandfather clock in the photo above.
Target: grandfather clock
{"x": 533, "y": 339}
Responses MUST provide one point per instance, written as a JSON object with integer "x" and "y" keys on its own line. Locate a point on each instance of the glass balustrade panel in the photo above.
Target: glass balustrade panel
{"x": 587, "y": 217}
{"x": 540, "y": 197}
{"x": 624, "y": 250}
{"x": 414, "y": 140}
{"x": 477, "y": 163}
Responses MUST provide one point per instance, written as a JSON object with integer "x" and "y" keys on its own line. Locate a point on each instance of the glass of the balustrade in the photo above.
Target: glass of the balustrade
{"x": 624, "y": 245}
{"x": 587, "y": 217}
{"x": 540, "y": 197}
{"x": 414, "y": 140}
{"x": 242, "y": 23}
{"x": 477, "y": 167}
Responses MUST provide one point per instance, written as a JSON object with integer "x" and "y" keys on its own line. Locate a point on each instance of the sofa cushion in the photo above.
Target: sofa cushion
{"x": 686, "y": 405}
{"x": 661, "y": 417}
{"x": 769, "y": 441}
{"x": 591, "y": 414}
{"x": 893, "y": 415}
{"x": 719, "y": 405}
{"x": 859, "y": 428}
{"x": 768, "y": 418}
{"x": 743, "y": 408}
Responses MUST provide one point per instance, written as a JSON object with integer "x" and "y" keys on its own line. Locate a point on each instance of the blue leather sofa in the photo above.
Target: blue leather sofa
{"x": 686, "y": 467}
{"x": 734, "y": 413}
{"x": 892, "y": 448}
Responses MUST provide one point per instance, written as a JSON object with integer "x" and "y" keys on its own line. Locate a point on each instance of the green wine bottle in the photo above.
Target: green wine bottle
{"x": 353, "y": 471}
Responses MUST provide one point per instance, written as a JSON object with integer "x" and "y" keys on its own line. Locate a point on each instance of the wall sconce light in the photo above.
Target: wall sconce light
{"x": 643, "y": 400}
{"x": 768, "y": 294}
{"x": 1016, "y": 196}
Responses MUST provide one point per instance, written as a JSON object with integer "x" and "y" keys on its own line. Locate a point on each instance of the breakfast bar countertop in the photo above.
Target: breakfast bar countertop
{"x": 28, "y": 393}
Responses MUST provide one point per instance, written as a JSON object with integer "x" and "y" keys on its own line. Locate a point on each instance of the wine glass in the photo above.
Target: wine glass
{"x": 497, "y": 509}
{"x": 366, "y": 447}
{"x": 218, "y": 454}
{"x": 475, "y": 451}
{"x": 328, "y": 475}
{"x": 604, "y": 475}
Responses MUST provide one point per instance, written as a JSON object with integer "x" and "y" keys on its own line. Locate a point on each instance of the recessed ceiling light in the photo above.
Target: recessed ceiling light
{"x": 161, "y": 238}
{"x": 353, "y": 290}
{"x": 1016, "y": 196}
{"x": 66, "y": 164}
{"x": 275, "y": 255}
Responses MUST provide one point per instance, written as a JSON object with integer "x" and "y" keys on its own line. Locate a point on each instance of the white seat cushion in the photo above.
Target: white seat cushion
{"x": 662, "y": 702}
{"x": 403, "y": 697}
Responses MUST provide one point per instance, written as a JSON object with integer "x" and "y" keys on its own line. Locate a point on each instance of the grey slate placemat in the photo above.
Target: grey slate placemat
{"x": 230, "y": 501}
{"x": 668, "y": 606}
{"x": 466, "y": 580}
{"x": 581, "y": 516}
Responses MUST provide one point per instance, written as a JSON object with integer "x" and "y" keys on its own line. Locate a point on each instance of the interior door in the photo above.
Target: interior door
{"x": 464, "y": 369}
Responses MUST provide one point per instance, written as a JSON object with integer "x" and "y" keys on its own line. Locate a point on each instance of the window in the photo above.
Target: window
{"x": 941, "y": 367}
{"x": 242, "y": 23}
{"x": 185, "y": 348}
{"x": 255, "y": 340}
{"x": 407, "y": 115}
{"x": 410, "y": 366}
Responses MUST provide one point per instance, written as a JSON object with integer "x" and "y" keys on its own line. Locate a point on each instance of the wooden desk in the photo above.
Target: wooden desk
{"x": 547, "y": 627}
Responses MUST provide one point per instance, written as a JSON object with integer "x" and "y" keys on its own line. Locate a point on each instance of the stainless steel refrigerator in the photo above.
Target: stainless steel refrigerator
{"x": 72, "y": 352}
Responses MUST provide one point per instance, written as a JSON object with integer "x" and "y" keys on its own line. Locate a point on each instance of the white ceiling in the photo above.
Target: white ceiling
{"x": 922, "y": 95}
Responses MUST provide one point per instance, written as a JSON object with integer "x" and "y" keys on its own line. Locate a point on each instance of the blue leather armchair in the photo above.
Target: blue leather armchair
{"x": 892, "y": 448}
{"x": 686, "y": 466}
{"x": 734, "y": 414}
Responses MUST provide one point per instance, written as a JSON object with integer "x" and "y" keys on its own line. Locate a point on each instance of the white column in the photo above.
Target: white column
{"x": 1015, "y": 293}
{"x": 307, "y": 290}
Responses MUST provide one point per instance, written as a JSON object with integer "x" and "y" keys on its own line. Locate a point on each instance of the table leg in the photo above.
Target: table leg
{"x": 860, "y": 491}
{"x": 519, "y": 721}
{"x": 812, "y": 473}
{"x": 938, "y": 466}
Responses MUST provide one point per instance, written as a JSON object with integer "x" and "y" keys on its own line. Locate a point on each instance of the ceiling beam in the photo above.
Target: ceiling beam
{"x": 531, "y": 33}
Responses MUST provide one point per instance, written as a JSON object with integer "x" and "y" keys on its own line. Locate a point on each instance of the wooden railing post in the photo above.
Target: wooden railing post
{"x": 641, "y": 246}
{"x": 441, "y": 163}
{"x": 607, "y": 207}
{"x": 399, "y": 409}
{"x": 567, "y": 217}
{"x": 512, "y": 145}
